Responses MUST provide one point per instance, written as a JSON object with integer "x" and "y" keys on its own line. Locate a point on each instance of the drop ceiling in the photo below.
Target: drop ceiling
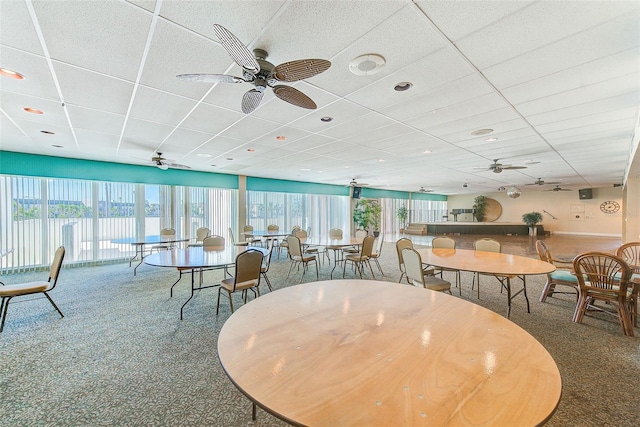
{"x": 558, "y": 82}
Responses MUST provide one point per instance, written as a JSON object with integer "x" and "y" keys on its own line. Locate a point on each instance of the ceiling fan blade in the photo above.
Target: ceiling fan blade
{"x": 251, "y": 100}
{"x": 507, "y": 167}
{"x": 236, "y": 49}
{"x": 177, "y": 166}
{"x": 210, "y": 78}
{"x": 300, "y": 69}
{"x": 294, "y": 96}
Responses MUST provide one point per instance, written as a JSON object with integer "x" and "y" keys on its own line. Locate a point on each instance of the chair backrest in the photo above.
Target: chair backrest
{"x": 443, "y": 242}
{"x": 56, "y": 264}
{"x": 630, "y": 252}
{"x": 487, "y": 245}
{"x": 166, "y": 232}
{"x": 295, "y": 228}
{"x": 367, "y": 246}
{"x": 543, "y": 252}
{"x": 301, "y": 234}
{"x": 400, "y": 245}
{"x": 377, "y": 248}
{"x": 295, "y": 249}
{"x": 335, "y": 233}
{"x": 361, "y": 234}
{"x": 248, "y": 228}
{"x": 309, "y": 231}
{"x": 413, "y": 266}
{"x": 266, "y": 261}
{"x": 201, "y": 233}
{"x": 602, "y": 272}
{"x": 231, "y": 238}
{"x": 248, "y": 266}
{"x": 211, "y": 241}
{"x": 273, "y": 227}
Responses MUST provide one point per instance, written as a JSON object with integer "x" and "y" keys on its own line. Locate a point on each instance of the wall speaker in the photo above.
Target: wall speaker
{"x": 585, "y": 193}
{"x": 356, "y": 192}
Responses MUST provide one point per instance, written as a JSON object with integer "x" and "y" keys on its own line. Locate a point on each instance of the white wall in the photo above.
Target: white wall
{"x": 564, "y": 205}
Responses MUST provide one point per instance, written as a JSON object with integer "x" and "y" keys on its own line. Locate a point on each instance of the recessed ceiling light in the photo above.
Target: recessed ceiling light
{"x": 203, "y": 155}
{"x": 305, "y": 169}
{"x": 11, "y": 74}
{"x": 402, "y": 86}
{"x": 48, "y": 132}
{"x": 33, "y": 110}
{"x": 57, "y": 146}
{"x": 481, "y": 132}
{"x": 366, "y": 65}
{"x": 380, "y": 160}
{"x": 491, "y": 139}
{"x": 281, "y": 137}
{"x": 251, "y": 150}
{"x": 426, "y": 152}
{"x": 326, "y": 119}
{"x": 229, "y": 158}
{"x": 214, "y": 165}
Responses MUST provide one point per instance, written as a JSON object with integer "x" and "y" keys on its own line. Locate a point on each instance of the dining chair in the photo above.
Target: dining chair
{"x": 490, "y": 245}
{"x": 251, "y": 240}
{"x": 283, "y": 243}
{"x": 7, "y": 292}
{"x": 446, "y": 243}
{"x": 561, "y": 276}
{"x": 360, "y": 259}
{"x": 266, "y": 262}
{"x": 377, "y": 251}
{"x": 407, "y": 243}
{"x": 360, "y": 234}
{"x": 201, "y": 233}
{"x": 166, "y": 233}
{"x": 630, "y": 253}
{"x": 415, "y": 276}
{"x": 335, "y": 233}
{"x": 604, "y": 277}
{"x": 299, "y": 257}
{"x": 233, "y": 240}
{"x": 246, "y": 277}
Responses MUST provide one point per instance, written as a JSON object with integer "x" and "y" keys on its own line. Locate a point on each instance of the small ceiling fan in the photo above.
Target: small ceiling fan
{"x": 355, "y": 183}
{"x": 422, "y": 190}
{"x": 558, "y": 188}
{"x": 540, "y": 181}
{"x": 261, "y": 73}
{"x": 496, "y": 167}
{"x": 164, "y": 163}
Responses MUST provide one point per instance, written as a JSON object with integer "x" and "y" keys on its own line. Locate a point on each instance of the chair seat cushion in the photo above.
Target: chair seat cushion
{"x": 356, "y": 258}
{"x": 436, "y": 284}
{"x": 564, "y": 275}
{"x": 23, "y": 288}
{"x": 228, "y": 284}
{"x": 304, "y": 258}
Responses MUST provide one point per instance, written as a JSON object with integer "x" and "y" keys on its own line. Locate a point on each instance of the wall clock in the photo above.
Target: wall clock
{"x": 609, "y": 207}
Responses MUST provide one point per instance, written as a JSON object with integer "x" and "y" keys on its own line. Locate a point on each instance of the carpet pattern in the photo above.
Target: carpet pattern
{"x": 122, "y": 356}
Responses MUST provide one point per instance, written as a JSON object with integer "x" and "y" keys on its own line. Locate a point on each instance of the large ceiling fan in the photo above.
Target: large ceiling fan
{"x": 164, "y": 163}
{"x": 422, "y": 190}
{"x": 261, "y": 73}
{"x": 496, "y": 167}
{"x": 558, "y": 188}
{"x": 355, "y": 183}
{"x": 540, "y": 181}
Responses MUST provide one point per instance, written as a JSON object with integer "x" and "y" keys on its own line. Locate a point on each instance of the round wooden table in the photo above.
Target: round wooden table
{"x": 488, "y": 263}
{"x": 371, "y": 353}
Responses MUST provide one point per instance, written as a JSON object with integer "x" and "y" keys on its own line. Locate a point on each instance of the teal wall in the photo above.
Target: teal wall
{"x": 61, "y": 167}
{"x": 23, "y": 164}
{"x": 282, "y": 186}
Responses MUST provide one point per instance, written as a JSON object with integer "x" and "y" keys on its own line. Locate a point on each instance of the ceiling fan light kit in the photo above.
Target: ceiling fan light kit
{"x": 262, "y": 74}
